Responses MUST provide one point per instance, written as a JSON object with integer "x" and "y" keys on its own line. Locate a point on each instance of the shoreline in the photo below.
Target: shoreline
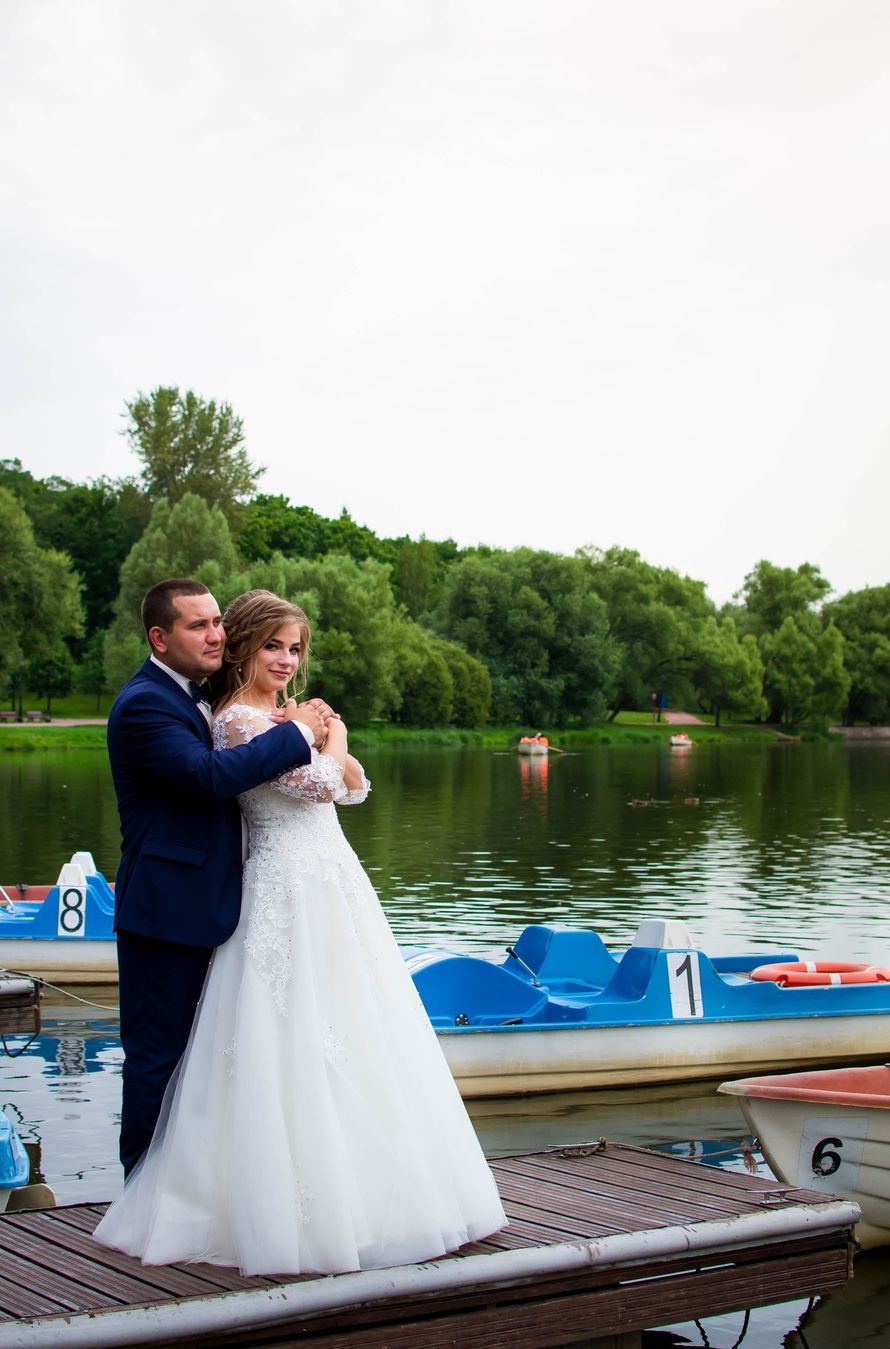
{"x": 69, "y": 733}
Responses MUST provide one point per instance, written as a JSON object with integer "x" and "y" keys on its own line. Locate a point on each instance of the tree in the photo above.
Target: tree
{"x": 863, "y": 619}
{"x": 805, "y": 671}
{"x": 90, "y": 676}
{"x": 51, "y": 676}
{"x": 425, "y": 686}
{"x": 188, "y": 539}
{"x": 470, "y": 682}
{"x": 728, "y": 673}
{"x": 655, "y": 617}
{"x": 419, "y": 570}
{"x": 774, "y": 597}
{"x": 40, "y": 597}
{"x": 95, "y": 523}
{"x": 270, "y": 524}
{"x": 189, "y": 446}
{"x": 533, "y": 620}
{"x": 771, "y": 594}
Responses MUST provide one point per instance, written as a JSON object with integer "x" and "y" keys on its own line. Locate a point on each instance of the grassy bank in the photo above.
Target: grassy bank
{"x": 619, "y": 732}
{"x": 627, "y": 729}
{"x": 33, "y": 739}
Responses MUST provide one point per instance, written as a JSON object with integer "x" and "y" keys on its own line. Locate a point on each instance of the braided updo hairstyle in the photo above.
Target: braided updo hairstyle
{"x": 250, "y": 621}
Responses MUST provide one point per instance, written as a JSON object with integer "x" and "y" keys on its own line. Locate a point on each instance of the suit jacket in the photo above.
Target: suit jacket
{"x": 180, "y": 874}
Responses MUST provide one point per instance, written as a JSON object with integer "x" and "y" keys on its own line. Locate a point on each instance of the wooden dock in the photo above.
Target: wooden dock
{"x": 604, "y": 1240}
{"x": 19, "y": 1005}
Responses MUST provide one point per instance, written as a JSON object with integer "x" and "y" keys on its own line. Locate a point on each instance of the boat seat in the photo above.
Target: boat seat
{"x": 567, "y": 959}
{"x": 461, "y": 990}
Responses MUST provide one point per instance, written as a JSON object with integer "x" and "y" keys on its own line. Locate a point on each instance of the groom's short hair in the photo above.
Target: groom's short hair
{"x": 158, "y": 604}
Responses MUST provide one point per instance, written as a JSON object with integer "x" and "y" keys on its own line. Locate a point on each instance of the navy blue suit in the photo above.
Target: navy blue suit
{"x": 178, "y": 888}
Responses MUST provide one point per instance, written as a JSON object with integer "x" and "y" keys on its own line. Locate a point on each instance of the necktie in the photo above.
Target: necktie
{"x": 200, "y": 692}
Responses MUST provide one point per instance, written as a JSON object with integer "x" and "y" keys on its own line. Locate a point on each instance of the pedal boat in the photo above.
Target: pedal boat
{"x": 63, "y": 932}
{"x": 563, "y": 1013}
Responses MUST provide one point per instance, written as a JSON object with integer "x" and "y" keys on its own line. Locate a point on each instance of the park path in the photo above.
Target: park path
{"x": 57, "y": 721}
{"x": 681, "y": 719}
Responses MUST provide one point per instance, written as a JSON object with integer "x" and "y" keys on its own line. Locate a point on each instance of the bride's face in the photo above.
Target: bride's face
{"x": 276, "y": 662}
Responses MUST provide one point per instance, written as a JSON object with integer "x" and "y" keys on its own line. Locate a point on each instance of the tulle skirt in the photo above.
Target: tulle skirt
{"x": 313, "y": 1124}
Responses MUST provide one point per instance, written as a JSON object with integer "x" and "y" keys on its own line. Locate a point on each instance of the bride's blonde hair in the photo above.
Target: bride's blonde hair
{"x": 250, "y": 621}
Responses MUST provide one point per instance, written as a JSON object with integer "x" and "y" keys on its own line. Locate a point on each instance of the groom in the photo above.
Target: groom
{"x": 178, "y": 888}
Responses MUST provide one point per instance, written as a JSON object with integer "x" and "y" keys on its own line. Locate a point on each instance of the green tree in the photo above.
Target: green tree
{"x": 51, "y": 676}
{"x": 771, "y": 594}
{"x": 727, "y": 672}
{"x": 863, "y": 619}
{"x": 470, "y": 682}
{"x": 655, "y": 618}
{"x": 90, "y": 675}
{"x": 96, "y": 524}
{"x": 792, "y": 681}
{"x": 533, "y": 620}
{"x": 805, "y": 671}
{"x": 423, "y": 679}
{"x": 419, "y": 570}
{"x": 270, "y": 524}
{"x": 40, "y": 603}
{"x": 190, "y": 538}
{"x": 187, "y": 445}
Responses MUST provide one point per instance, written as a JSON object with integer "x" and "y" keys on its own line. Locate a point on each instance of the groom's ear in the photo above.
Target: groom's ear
{"x": 157, "y": 640}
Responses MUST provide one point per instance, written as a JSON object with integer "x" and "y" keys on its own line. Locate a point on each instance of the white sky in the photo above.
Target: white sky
{"x": 513, "y": 271}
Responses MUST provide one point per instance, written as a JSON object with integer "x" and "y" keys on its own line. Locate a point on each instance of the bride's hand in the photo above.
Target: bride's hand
{"x": 308, "y": 714}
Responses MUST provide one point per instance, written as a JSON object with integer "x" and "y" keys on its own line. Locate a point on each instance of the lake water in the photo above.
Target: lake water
{"x": 786, "y": 846}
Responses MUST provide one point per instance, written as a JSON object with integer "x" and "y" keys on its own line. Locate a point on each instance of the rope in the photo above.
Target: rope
{"x": 66, "y": 993}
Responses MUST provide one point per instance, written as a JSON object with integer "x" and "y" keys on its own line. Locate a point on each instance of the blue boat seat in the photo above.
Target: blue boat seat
{"x": 461, "y": 990}
{"x": 567, "y": 959}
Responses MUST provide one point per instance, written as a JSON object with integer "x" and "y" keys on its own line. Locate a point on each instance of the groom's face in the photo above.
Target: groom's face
{"x": 193, "y": 645}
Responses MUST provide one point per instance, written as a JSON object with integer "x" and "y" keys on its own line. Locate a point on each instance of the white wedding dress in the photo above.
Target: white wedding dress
{"x": 313, "y": 1124}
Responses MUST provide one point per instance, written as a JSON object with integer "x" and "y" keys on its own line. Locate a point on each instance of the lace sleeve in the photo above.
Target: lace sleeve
{"x": 320, "y": 780}
{"x": 357, "y": 795}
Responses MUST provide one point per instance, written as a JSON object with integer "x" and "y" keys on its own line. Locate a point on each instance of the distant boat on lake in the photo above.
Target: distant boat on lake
{"x": 533, "y": 744}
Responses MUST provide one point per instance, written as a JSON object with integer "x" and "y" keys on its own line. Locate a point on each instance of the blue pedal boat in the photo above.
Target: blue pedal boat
{"x": 15, "y": 1166}
{"x": 67, "y": 935}
{"x": 562, "y": 1012}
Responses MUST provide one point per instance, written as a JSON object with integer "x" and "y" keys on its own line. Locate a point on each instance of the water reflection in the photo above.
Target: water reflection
{"x": 534, "y": 771}
{"x": 787, "y": 845}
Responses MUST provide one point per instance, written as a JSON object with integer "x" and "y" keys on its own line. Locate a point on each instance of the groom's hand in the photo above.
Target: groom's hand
{"x": 309, "y": 715}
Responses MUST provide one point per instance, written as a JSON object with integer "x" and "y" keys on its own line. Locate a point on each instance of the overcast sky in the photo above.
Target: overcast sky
{"x": 510, "y": 271}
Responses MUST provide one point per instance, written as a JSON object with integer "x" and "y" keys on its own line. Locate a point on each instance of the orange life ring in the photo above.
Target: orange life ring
{"x": 816, "y": 973}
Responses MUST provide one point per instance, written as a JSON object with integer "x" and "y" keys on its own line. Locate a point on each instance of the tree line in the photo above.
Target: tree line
{"x": 415, "y": 631}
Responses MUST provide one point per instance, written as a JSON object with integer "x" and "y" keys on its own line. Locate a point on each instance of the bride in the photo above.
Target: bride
{"x": 313, "y": 1124}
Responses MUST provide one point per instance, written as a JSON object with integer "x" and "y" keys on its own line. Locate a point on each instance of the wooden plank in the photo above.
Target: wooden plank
{"x": 653, "y": 1187}
{"x": 611, "y": 1209}
{"x": 628, "y": 1176}
{"x": 59, "y": 1292}
{"x": 596, "y": 1201}
{"x": 59, "y": 1242}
